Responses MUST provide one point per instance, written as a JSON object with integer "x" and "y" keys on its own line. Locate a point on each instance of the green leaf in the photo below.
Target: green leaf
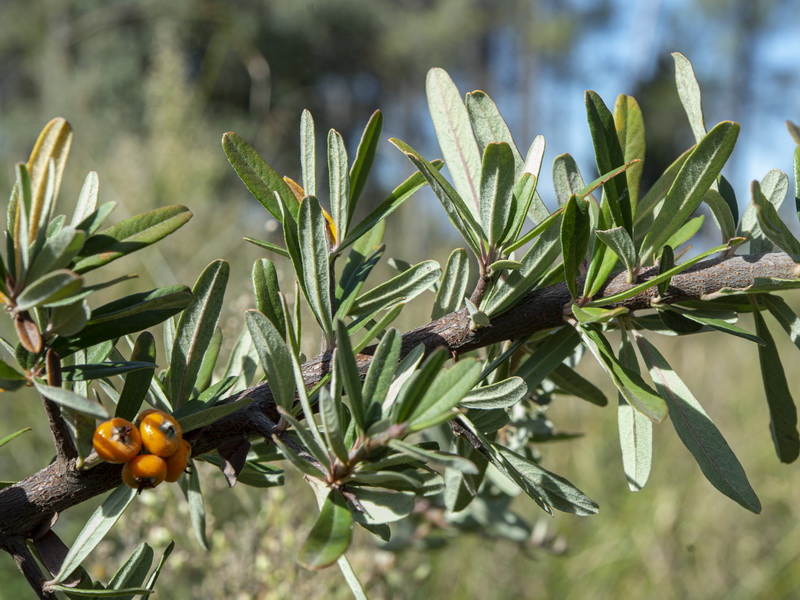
{"x": 348, "y": 372}
{"x": 352, "y": 580}
{"x": 444, "y": 393}
{"x": 379, "y": 376}
{"x": 365, "y": 155}
{"x": 190, "y": 485}
{"x": 460, "y": 215}
{"x": 381, "y": 506}
{"x": 275, "y": 357}
{"x": 722, "y": 213}
{"x": 715, "y": 320}
{"x": 137, "y": 383}
{"x": 569, "y": 382}
{"x": 453, "y": 286}
{"x": 635, "y": 430}
{"x": 267, "y": 291}
{"x": 536, "y": 262}
{"x": 362, "y": 258}
{"x": 203, "y": 415}
{"x": 689, "y": 93}
{"x": 132, "y": 573}
{"x": 772, "y": 225}
{"x": 268, "y": 246}
{"x": 95, "y": 220}
{"x": 477, "y": 317}
{"x": 87, "y": 199}
{"x": 496, "y": 191}
{"x": 597, "y": 315}
{"x": 330, "y": 406}
{"x": 456, "y": 139}
{"x": 87, "y": 372}
{"x": 551, "y": 352}
{"x": 782, "y": 409}
{"x": 630, "y": 384}
{"x": 407, "y": 285}
{"x": 72, "y": 400}
{"x": 574, "y": 239}
{"x": 630, "y": 131}
{"x": 131, "y": 235}
{"x": 784, "y": 314}
{"x": 261, "y": 179}
{"x": 308, "y": 153}
{"x": 50, "y": 288}
{"x": 444, "y": 459}
{"x": 489, "y": 125}
{"x": 127, "y": 315}
{"x": 553, "y": 489}
{"x": 314, "y": 255}
{"x": 339, "y": 184}
{"x": 621, "y": 243}
{"x": 392, "y": 202}
{"x": 8, "y": 438}
{"x": 697, "y": 431}
{"x": 57, "y": 252}
{"x": 694, "y": 179}
{"x": 46, "y": 167}
{"x": 501, "y": 394}
{"x": 567, "y": 178}
{"x": 96, "y": 529}
{"x": 658, "y": 191}
{"x": 196, "y": 329}
{"x": 330, "y": 536}
{"x": 608, "y": 155}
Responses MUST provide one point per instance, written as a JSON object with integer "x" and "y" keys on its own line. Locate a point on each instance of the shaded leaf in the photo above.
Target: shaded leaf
{"x": 330, "y": 536}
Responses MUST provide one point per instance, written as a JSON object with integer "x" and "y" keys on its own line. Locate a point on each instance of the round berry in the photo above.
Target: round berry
{"x": 161, "y": 435}
{"x": 176, "y": 464}
{"x": 144, "y": 471}
{"x": 116, "y": 440}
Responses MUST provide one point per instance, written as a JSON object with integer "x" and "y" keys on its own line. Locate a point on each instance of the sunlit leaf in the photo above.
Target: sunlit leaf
{"x": 330, "y": 536}
{"x": 689, "y": 93}
{"x": 635, "y": 429}
{"x": 275, "y": 357}
{"x": 496, "y": 191}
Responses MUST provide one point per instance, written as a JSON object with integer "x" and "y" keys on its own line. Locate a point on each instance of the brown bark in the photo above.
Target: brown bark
{"x": 59, "y": 486}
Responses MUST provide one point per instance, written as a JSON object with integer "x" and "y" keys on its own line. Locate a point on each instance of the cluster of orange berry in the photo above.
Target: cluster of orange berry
{"x": 152, "y": 448}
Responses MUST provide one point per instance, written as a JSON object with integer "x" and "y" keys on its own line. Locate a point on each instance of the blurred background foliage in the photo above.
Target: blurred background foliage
{"x": 150, "y": 86}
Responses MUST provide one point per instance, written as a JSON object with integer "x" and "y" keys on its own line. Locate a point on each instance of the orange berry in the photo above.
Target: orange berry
{"x": 144, "y": 471}
{"x": 161, "y": 434}
{"x": 143, "y": 414}
{"x": 116, "y": 440}
{"x": 176, "y": 464}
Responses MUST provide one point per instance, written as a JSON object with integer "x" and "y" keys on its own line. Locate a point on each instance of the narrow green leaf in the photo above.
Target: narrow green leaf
{"x": 339, "y": 184}
{"x": 477, "y": 317}
{"x": 444, "y": 459}
{"x": 536, "y": 262}
{"x": 348, "y": 372}
{"x": 658, "y": 191}
{"x": 275, "y": 357}
{"x": 195, "y": 330}
{"x": 574, "y": 239}
{"x": 308, "y": 153}
{"x": 400, "y": 194}
{"x": 550, "y": 353}
{"x": 268, "y": 246}
{"x": 8, "y": 438}
{"x": 380, "y": 374}
{"x": 630, "y": 384}
{"x": 57, "y": 252}
{"x": 496, "y": 191}
{"x": 261, "y": 179}
{"x": 87, "y": 372}
{"x": 635, "y": 429}
{"x": 524, "y": 195}
{"x": 629, "y": 123}
{"x": 330, "y": 536}
{"x": 722, "y": 213}
{"x": 698, "y": 432}
{"x": 190, "y": 485}
{"x": 362, "y": 258}
{"x": 365, "y": 155}
{"x": 267, "y": 290}
{"x": 96, "y": 529}
{"x": 95, "y": 220}
{"x": 621, "y": 243}
{"x": 131, "y": 235}
{"x": 72, "y": 400}
{"x": 314, "y": 255}
{"x": 46, "y": 167}
{"x": 695, "y": 178}
{"x": 456, "y": 139}
{"x": 689, "y": 93}
{"x": 87, "y": 199}
{"x": 782, "y": 409}
{"x": 784, "y": 314}
{"x": 460, "y": 215}
{"x": 352, "y": 580}
{"x": 444, "y": 393}
{"x": 771, "y": 224}
{"x": 453, "y": 286}
{"x": 132, "y": 573}
{"x": 597, "y": 315}
{"x": 49, "y": 288}
{"x": 716, "y": 321}
{"x": 501, "y": 394}
{"x": 608, "y": 155}
{"x": 489, "y": 125}
{"x": 567, "y": 178}
{"x": 569, "y": 382}
{"x": 406, "y": 285}
{"x": 329, "y": 411}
